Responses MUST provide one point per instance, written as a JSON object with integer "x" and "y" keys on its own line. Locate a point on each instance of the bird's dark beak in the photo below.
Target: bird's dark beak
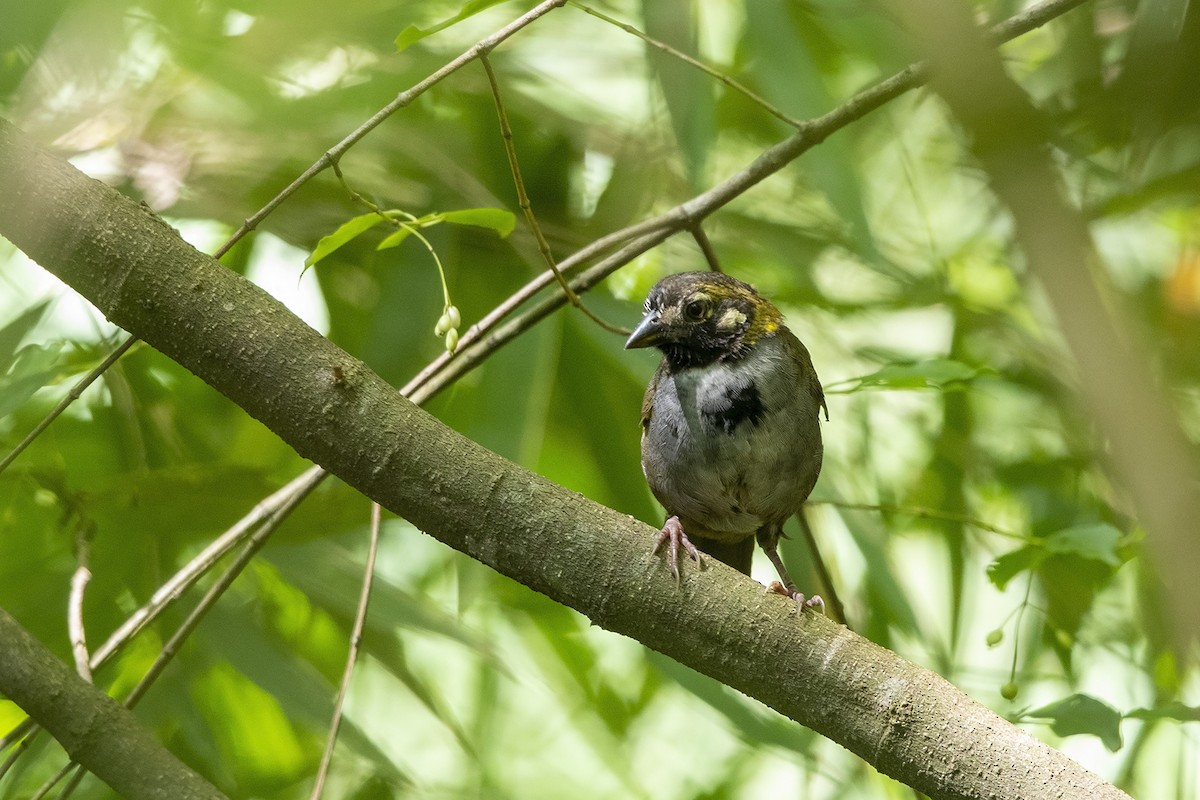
{"x": 648, "y": 332}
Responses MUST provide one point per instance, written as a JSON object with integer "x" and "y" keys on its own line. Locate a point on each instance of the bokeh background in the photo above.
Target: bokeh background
{"x": 965, "y": 512}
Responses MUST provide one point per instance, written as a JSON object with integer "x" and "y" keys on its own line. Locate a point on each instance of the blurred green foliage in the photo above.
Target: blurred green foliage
{"x": 953, "y": 411}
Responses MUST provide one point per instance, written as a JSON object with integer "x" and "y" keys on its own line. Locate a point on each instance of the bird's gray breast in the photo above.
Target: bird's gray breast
{"x": 731, "y": 444}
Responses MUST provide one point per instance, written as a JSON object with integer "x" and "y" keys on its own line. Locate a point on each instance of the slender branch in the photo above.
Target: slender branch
{"x": 924, "y": 513}
{"x": 79, "y": 582}
{"x": 360, "y": 619}
{"x": 70, "y": 768}
{"x": 837, "y": 609}
{"x": 210, "y": 598}
{"x": 30, "y": 732}
{"x": 285, "y": 497}
{"x": 700, "y": 65}
{"x": 706, "y": 247}
{"x": 510, "y": 150}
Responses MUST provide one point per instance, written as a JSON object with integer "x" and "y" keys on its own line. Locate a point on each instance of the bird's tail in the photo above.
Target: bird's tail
{"x": 737, "y": 554}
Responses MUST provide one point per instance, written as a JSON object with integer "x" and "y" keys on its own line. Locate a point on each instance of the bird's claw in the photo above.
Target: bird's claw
{"x": 815, "y": 602}
{"x": 674, "y": 538}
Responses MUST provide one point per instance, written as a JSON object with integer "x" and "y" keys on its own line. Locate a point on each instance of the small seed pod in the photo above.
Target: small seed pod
{"x": 1009, "y": 690}
{"x": 454, "y": 317}
{"x": 452, "y": 339}
{"x": 443, "y": 325}
{"x": 995, "y": 637}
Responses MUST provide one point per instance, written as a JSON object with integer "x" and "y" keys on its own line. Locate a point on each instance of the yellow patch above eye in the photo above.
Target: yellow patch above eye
{"x": 732, "y": 318}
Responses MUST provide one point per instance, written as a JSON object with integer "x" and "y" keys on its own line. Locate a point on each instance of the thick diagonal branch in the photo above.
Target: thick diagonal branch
{"x": 93, "y": 728}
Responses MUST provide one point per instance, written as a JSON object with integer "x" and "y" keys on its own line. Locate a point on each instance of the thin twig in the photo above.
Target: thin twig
{"x": 53, "y": 780}
{"x": 299, "y": 488}
{"x": 510, "y": 150}
{"x": 706, "y": 247}
{"x": 79, "y": 582}
{"x": 30, "y": 733}
{"x": 360, "y": 619}
{"x": 76, "y": 779}
{"x": 405, "y": 98}
{"x": 700, "y": 65}
{"x": 836, "y": 608}
{"x": 249, "y": 550}
{"x": 924, "y": 513}
{"x": 210, "y": 598}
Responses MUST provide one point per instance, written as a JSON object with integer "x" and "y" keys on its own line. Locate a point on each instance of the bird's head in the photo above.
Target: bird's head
{"x": 697, "y": 318}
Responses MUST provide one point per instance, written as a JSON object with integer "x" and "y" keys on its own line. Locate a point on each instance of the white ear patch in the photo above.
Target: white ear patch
{"x": 732, "y": 318}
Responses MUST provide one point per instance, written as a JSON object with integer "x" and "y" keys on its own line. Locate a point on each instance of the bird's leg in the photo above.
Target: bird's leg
{"x": 674, "y": 538}
{"x": 768, "y": 539}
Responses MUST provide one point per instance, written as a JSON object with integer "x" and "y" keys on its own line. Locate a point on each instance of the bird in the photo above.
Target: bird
{"x": 731, "y": 434}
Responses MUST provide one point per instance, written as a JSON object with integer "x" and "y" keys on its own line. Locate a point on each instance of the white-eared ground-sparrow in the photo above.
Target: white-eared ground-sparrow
{"x": 731, "y": 440}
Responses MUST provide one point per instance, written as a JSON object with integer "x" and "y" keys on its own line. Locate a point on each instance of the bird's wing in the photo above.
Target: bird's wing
{"x": 808, "y": 374}
{"x": 648, "y": 397}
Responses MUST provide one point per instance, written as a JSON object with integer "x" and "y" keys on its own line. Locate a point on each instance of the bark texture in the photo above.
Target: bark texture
{"x": 93, "y": 728}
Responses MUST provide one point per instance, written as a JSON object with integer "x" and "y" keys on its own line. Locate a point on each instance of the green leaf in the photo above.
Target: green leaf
{"x": 496, "y": 219}
{"x": 689, "y": 94}
{"x": 1011, "y": 564}
{"x": 1174, "y": 710}
{"x": 1097, "y": 541}
{"x": 412, "y": 34}
{"x": 35, "y": 366}
{"x": 1081, "y": 713}
{"x": 395, "y": 239}
{"x": 16, "y": 330}
{"x": 346, "y": 232}
{"x": 938, "y": 373}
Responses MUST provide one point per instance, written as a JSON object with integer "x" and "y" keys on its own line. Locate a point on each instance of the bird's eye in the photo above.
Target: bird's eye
{"x": 696, "y": 310}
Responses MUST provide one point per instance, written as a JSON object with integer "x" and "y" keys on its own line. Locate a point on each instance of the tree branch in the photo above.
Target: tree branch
{"x": 905, "y": 720}
{"x": 93, "y": 728}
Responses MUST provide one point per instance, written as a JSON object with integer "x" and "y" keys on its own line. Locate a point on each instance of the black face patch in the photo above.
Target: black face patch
{"x": 742, "y": 404}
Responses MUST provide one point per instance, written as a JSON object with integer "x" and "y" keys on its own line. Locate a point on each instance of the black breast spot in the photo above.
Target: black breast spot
{"x": 741, "y": 404}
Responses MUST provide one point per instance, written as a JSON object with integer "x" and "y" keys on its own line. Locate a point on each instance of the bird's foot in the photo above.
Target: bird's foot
{"x": 674, "y": 538}
{"x": 815, "y": 602}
